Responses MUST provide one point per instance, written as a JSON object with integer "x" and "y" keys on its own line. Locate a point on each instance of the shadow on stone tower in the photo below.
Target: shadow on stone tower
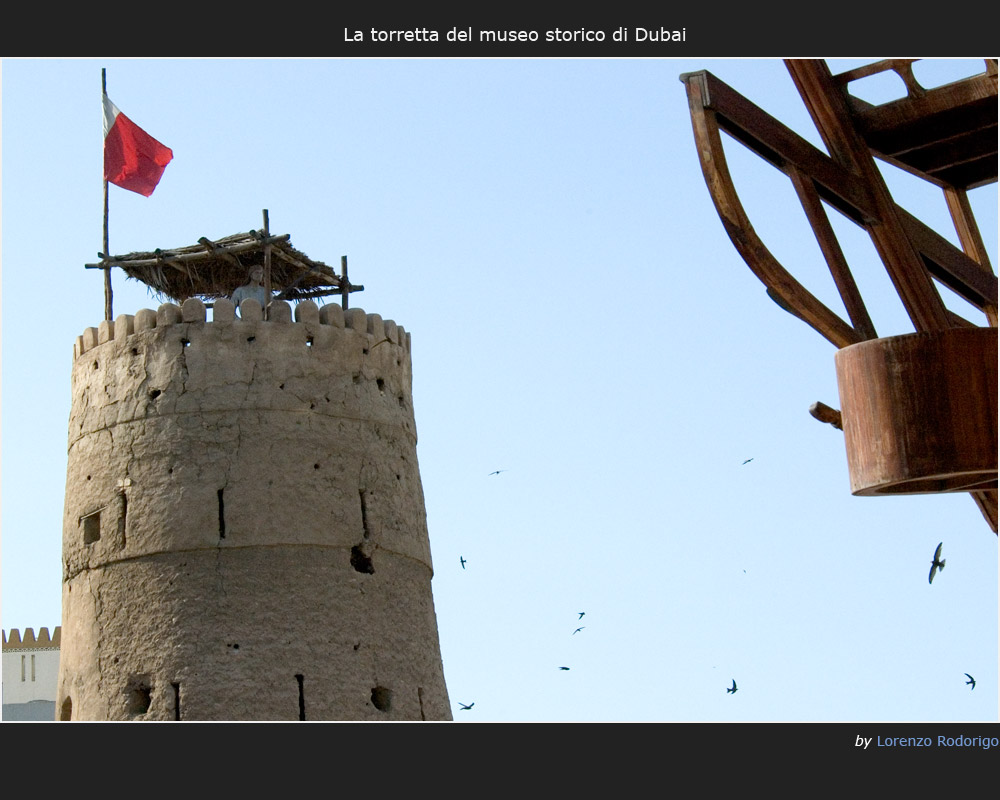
{"x": 244, "y": 534}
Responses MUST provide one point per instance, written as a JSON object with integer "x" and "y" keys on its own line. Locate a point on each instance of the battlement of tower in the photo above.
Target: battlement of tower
{"x": 28, "y": 641}
{"x": 172, "y": 360}
{"x": 224, "y": 313}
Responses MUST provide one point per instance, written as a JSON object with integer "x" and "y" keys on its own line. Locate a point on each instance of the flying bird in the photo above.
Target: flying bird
{"x": 464, "y": 706}
{"x": 971, "y": 680}
{"x": 733, "y": 690}
{"x": 581, "y": 614}
{"x": 497, "y": 471}
{"x": 936, "y": 564}
{"x": 565, "y": 668}
{"x": 748, "y": 461}
{"x": 460, "y": 558}
{"x": 578, "y": 630}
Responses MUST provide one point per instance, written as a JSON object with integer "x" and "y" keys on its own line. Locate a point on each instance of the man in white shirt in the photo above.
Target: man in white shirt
{"x": 252, "y": 290}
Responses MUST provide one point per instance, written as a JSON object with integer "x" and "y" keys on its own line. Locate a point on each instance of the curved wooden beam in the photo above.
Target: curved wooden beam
{"x": 740, "y": 230}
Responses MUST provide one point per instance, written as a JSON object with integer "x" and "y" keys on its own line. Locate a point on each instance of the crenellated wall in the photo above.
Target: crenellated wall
{"x": 30, "y": 673}
{"x": 244, "y": 533}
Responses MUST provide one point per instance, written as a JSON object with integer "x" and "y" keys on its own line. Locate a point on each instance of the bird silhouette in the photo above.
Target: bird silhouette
{"x": 464, "y": 706}
{"x": 733, "y": 690}
{"x": 497, "y": 471}
{"x": 971, "y": 680}
{"x": 460, "y": 558}
{"x": 936, "y": 564}
{"x": 565, "y": 668}
{"x": 581, "y": 614}
{"x": 748, "y": 461}
{"x": 578, "y": 630}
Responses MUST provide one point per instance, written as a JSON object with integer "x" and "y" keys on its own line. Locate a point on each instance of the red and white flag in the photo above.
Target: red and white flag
{"x": 133, "y": 159}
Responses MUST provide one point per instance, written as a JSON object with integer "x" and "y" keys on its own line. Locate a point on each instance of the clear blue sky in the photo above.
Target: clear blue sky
{"x": 581, "y": 321}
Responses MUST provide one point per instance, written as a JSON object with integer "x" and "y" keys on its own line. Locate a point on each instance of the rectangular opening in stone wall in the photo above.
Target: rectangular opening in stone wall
{"x": 91, "y": 524}
{"x": 122, "y": 518}
{"x": 302, "y": 696}
{"x": 138, "y": 695}
{"x": 222, "y": 516}
{"x": 364, "y": 514}
{"x": 177, "y": 700}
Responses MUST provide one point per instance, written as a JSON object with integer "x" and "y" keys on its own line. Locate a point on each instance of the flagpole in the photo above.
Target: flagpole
{"x": 267, "y": 264}
{"x": 107, "y": 270}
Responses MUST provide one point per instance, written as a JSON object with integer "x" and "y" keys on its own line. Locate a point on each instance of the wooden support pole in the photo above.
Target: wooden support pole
{"x": 824, "y": 413}
{"x": 108, "y": 310}
{"x": 267, "y": 262}
{"x": 970, "y": 237}
{"x": 345, "y": 285}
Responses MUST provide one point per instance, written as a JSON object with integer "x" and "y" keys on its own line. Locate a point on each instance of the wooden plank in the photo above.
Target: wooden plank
{"x": 987, "y": 502}
{"x": 222, "y": 252}
{"x": 118, "y": 261}
{"x": 782, "y": 147}
{"x": 833, "y": 254}
{"x": 972, "y": 241}
{"x": 734, "y": 218}
{"x": 828, "y": 107}
{"x": 949, "y": 264}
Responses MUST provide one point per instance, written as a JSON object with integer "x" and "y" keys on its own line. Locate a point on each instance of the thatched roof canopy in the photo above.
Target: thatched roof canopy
{"x": 213, "y": 269}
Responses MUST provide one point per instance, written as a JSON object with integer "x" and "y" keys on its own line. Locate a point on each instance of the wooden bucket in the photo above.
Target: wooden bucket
{"x": 919, "y": 412}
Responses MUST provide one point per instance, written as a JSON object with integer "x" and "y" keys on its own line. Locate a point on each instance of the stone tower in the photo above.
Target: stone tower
{"x": 244, "y": 535}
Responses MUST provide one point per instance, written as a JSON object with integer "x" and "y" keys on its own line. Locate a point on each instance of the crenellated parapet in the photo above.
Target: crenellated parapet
{"x": 173, "y": 361}
{"x": 194, "y": 310}
{"x": 29, "y": 641}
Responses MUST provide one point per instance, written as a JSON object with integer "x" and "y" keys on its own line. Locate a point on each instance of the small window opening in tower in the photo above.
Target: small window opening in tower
{"x": 177, "y": 700}
{"x": 222, "y": 516}
{"x": 66, "y": 711}
{"x": 381, "y": 384}
{"x": 138, "y": 695}
{"x": 382, "y": 698}
{"x": 122, "y": 519}
{"x": 302, "y": 696}
{"x": 364, "y": 514}
{"x": 91, "y": 527}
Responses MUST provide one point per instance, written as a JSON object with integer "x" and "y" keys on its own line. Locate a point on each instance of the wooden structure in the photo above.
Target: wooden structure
{"x": 215, "y": 268}
{"x": 898, "y": 420}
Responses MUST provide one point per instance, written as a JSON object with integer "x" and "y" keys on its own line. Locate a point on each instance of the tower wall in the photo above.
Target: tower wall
{"x": 244, "y": 534}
